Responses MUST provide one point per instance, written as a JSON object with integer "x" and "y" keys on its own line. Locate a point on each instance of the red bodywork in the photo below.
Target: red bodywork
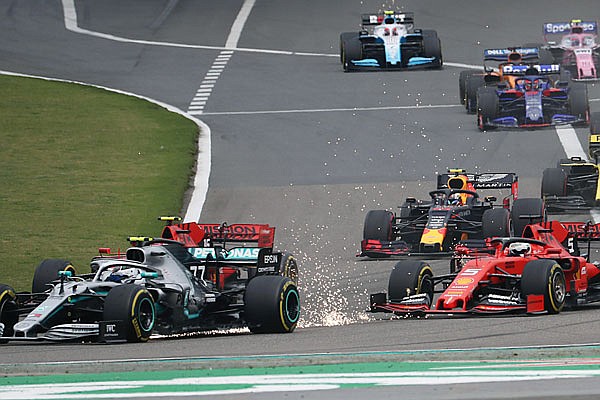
{"x": 193, "y": 234}
{"x": 493, "y": 266}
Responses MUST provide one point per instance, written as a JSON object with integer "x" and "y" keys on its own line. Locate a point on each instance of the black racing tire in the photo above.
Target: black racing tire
{"x": 554, "y": 182}
{"x": 462, "y": 84}
{"x": 9, "y": 310}
{"x": 578, "y": 103}
{"x": 134, "y": 306}
{"x": 47, "y": 271}
{"x": 350, "y": 49}
{"x": 496, "y": 222}
{"x": 595, "y": 123}
{"x": 547, "y": 278}
{"x": 473, "y": 84}
{"x": 378, "y": 225}
{"x": 487, "y": 107}
{"x": 432, "y": 47}
{"x": 289, "y": 267}
{"x": 343, "y": 38}
{"x": 526, "y": 206}
{"x": 409, "y": 278}
{"x": 271, "y": 304}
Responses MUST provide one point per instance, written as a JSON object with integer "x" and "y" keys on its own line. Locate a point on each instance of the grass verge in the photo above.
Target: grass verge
{"x": 82, "y": 168}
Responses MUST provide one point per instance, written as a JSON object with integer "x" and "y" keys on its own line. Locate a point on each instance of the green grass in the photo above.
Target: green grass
{"x": 82, "y": 168}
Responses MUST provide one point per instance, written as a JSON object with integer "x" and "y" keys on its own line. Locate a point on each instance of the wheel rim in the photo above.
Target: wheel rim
{"x": 146, "y": 315}
{"x": 292, "y": 306}
{"x": 559, "y": 288}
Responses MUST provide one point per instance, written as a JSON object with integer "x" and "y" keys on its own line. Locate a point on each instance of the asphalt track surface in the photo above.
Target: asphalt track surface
{"x": 300, "y": 145}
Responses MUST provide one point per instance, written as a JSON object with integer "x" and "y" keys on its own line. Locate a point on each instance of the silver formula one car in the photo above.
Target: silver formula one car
{"x": 158, "y": 286}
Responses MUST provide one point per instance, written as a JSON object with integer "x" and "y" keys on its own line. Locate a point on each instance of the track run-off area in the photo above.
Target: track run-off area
{"x": 288, "y": 139}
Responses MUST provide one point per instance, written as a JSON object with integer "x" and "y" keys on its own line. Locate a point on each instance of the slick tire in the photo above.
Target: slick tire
{"x": 47, "y": 271}
{"x": 9, "y": 314}
{"x": 134, "y": 307}
{"x": 271, "y": 304}
{"x": 554, "y": 182}
{"x": 432, "y": 47}
{"x": 526, "y": 207}
{"x": 578, "y": 103}
{"x": 350, "y": 49}
{"x": 545, "y": 277}
{"x": 462, "y": 84}
{"x": 487, "y": 107}
{"x": 473, "y": 84}
{"x": 595, "y": 123}
{"x": 378, "y": 225}
{"x": 496, "y": 222}
{"x": 289, "y": 267}
{"x": 409, "y": 278}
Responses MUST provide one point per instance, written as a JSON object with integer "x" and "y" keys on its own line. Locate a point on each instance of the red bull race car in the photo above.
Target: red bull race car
{"x": 455, "y": 213}
{"x": 575, "y": 46}
{"x": 541, "y": 272}
{"x": 390, "y": 41}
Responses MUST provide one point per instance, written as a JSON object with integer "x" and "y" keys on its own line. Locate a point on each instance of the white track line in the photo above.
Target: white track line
{"x": 199, "y": 101}
{"x": 316, "y": 110}
{"x": 570, "y": 142}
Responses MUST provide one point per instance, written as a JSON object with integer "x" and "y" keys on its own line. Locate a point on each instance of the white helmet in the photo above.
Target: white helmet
{"x": 519, "y": 248}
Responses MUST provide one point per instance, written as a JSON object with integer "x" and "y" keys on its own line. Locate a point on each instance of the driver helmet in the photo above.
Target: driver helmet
{"x": 455, "y": 199}
{"x": 519, "y": 249}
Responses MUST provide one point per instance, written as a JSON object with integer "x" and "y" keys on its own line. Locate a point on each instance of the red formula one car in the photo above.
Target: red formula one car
{"x": 543, "y": 271}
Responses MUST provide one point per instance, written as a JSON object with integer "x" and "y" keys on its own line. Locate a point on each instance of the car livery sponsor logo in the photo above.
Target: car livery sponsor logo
{"x": 565, "y": 27}
{"x": 506, "y": 52}
{"x": 521, "y": 69}
{"x": 464, "y": 281}
{"x": 237, "y": 253}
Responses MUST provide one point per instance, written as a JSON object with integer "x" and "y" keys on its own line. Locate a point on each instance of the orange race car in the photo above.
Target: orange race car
{"x": 471, "y": 80}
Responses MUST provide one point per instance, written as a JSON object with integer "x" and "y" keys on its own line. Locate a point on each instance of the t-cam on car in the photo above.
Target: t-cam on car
{"x": 541, "y": 272}
{"x": 159, "y": 286}
{"x": 389, "y": 41}
{"x": 454, "y": 213}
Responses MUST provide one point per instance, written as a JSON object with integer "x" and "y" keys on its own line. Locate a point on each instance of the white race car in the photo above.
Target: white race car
{"x": 392, "y": 43}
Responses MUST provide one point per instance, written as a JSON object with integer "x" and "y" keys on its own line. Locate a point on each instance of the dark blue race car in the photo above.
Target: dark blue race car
{"x": 536, "y": 100}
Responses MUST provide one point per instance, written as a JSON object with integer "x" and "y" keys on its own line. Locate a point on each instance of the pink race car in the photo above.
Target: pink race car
{"x": 577, "y": 47}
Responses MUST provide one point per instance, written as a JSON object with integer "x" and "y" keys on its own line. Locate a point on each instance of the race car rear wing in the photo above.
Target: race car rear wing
{"x": 583, "y": 230}
{"x": 487, "y": 180}
{"x": 527, "y": 53}
{"x": 193, "y": 234}
{"x": 407, "y": 18}
{"x": 541, "y": 69}
{"x": 562, "y": 28}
